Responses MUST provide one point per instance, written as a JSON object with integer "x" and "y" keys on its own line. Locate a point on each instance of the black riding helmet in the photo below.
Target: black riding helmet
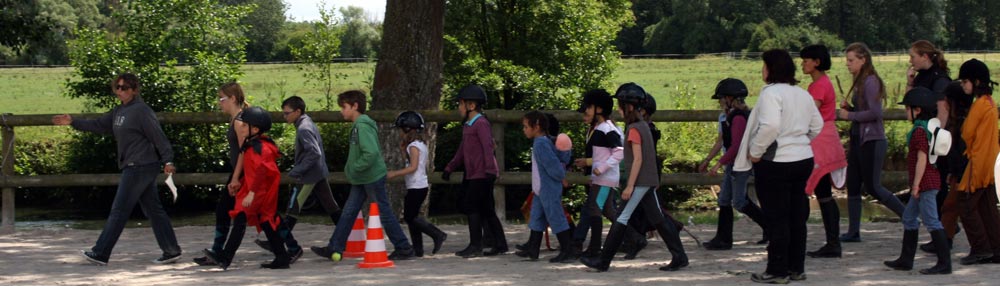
{"x": 650, "y": 106}
{"x": 257, "y": 117}
{"x": 956, "y": 94}
{"x": 472, "y": 92}
{"x": 631, "y": 93}
{"x": 730, "y": 87}
{"x": 920, "y": 97}
{"x": 598, "y": 98}
{"x": 409, "y": 120}
{"x": 975, "y": 70}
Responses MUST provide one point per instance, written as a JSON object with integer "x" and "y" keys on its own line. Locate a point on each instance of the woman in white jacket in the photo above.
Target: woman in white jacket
{"x": 776, "y": 142}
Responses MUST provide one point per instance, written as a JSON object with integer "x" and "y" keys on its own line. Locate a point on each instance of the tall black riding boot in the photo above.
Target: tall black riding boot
{"x": 435, "y": 233}
{"x": 757, "y": 216}
{"x": 905, "y": 260}
{"x": 596, "y": 233}
{"x": 416, "y": 237}
{"x": 611, "y": 244}
{"x": 831, "y": 225}
{"x": 475, "y": 248}
{"x": 636, "y": 242}
{"x": 532, "y": 247}
{"x": 723, "y": 239}
{"x": 567, "y": 252}
{"x": 943, "y": 265}
{"x": 672, "y": 238}
{"x": 281, "y": 257}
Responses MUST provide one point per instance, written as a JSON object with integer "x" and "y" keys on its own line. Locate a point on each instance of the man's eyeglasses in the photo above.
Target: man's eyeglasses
{"x": 286, "y": 113}
{"x": 123, "y": 87}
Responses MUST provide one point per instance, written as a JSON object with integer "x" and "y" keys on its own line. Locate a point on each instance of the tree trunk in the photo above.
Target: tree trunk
{"x": 408, "y": 77}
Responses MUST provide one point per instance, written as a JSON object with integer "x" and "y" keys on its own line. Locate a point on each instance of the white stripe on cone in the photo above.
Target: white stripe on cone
{"x": 375, "y": 245}
{"x": 356, "y": 234}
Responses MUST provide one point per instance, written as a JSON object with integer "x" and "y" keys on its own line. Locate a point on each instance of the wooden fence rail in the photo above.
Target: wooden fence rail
{"x": 9, "y": 181}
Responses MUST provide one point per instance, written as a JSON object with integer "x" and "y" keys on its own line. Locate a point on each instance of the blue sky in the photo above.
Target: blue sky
{"x": 306, "y": 10}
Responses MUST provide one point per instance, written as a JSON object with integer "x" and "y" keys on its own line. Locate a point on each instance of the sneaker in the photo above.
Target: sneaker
{"x": 295, "y": 256}
{"x": 496, "y": 251}
{"x": 975, "y": 259}
{"x": 94, "y": 258}
{"x": 214, "y": 258}
{"x": 167, "y": 258}
{"x": 322, "y": 251}
{"x": 203, "y": 261}
{"x": 850, "y": 237}
{"x": 768, "y": 278}
{"x": 401, "y": 254}
{"x": 794, "y": 276}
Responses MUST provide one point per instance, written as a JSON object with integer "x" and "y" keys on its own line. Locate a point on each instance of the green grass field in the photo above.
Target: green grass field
{"x": 676, "y": 84}
{"x": 41, "y": 90}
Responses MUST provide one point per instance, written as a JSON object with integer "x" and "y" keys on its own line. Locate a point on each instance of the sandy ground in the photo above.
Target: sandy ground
{"x": 51, "y": 256}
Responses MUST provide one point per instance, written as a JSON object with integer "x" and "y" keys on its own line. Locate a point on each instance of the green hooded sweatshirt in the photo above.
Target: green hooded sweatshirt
{"x": 364, "y": 159}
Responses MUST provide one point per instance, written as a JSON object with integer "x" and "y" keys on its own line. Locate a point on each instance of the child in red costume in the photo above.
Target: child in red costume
{"x": 257, "y": 200}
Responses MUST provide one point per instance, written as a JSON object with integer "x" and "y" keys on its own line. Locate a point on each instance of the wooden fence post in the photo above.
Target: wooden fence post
{"x": 499, "y": 191}
{"x": 7, "y": 211}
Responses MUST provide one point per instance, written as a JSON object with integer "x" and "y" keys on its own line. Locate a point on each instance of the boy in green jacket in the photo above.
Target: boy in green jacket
{"x": 366, "y": 172}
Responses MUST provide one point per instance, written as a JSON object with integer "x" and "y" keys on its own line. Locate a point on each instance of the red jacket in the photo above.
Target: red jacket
{"x": 261, "y": 176}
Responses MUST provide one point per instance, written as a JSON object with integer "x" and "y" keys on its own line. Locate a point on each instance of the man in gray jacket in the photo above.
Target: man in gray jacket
{"x": 310, "y": 170}
{"x": 142, "y": 148}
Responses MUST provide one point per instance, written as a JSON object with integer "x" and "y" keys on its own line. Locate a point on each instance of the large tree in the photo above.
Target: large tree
{"x": 361, "y": 37}
{"x": 36, "y": 32}
{"x": 265, "y": 24}
{"x": 408, "y": 74}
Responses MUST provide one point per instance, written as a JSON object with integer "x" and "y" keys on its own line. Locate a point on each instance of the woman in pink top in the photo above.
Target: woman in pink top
{"x": 828, "y": 152}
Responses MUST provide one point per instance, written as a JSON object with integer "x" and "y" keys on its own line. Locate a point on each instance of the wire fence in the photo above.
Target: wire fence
{"x": 900, "y": 55}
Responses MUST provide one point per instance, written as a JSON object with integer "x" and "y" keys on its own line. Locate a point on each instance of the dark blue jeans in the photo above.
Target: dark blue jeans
{"x": 361, "y": 194}
{"x": 137, "y": 185}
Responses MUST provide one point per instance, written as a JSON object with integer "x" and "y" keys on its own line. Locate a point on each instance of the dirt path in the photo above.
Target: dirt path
{"x": 49, "y": 256}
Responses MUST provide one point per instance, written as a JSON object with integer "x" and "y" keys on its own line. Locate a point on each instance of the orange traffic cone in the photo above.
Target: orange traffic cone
{"x": 356, "y": 241}
{"x": 375, "y": 256}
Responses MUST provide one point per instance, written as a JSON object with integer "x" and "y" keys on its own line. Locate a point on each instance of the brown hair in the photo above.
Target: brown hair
{"x": 780, "y": 67}
{"x": 410, "y": 135}
{"x": 926, "y": 48}
{"x": 130, "y": 79}
{"x": 630, "y": 116}
{"x": 868, "y": 69}
{"x": 233, "y": 89}
{"x": 353, "y": 97}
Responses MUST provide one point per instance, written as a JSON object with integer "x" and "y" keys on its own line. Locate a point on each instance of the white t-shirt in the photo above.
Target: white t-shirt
{"x": 417, "y": 179}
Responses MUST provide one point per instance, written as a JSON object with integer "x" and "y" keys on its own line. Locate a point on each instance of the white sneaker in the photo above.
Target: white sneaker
{"x": 167, "y": 259}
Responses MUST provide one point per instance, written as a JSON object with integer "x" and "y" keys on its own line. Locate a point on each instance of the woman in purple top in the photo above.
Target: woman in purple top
{"x": 863, "y": 108}
{"x": 475, "y": 154}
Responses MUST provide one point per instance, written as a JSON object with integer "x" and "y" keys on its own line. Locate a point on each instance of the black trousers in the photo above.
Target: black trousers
{"x": 478, "y": 206}
{"x": 222, "y": 220}
{"x": 781, "y": 190}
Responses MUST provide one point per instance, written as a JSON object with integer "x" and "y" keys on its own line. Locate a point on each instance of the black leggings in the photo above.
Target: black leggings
{"x": 412, "y": 202}
{"x": 824, "y": 189}
{"x": 864, "y": 172}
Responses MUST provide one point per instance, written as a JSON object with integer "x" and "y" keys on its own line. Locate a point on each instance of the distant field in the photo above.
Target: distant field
{"x": 676, "y": 84}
